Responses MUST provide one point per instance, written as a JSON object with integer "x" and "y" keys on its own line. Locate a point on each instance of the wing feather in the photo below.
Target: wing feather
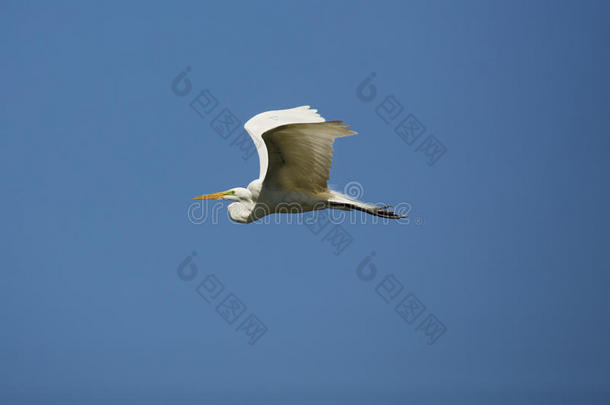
{"x": 300, "y": 155}
{"x": 268, "y": 120}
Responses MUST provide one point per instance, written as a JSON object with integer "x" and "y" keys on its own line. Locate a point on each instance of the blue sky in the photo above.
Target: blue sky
{"x": 100, "y": 158}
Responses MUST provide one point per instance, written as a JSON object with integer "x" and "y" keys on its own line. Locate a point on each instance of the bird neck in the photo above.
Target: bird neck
{"x": 255, "y": 188}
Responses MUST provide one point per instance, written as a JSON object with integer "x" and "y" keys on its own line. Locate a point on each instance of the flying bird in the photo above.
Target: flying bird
{"x": 295, "y": 150}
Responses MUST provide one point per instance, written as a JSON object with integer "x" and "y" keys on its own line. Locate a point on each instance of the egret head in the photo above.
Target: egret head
{"x": 234, "y": 194}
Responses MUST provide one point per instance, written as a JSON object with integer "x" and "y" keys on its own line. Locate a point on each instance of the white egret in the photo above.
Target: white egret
{"x": 295, "y": 149}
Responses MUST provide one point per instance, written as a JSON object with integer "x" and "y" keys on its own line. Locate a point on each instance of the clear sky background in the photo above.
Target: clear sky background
{"x": 505, "y": 245}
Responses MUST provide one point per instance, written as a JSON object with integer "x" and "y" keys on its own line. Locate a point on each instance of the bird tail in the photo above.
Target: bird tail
{"x": 343, "y": 202}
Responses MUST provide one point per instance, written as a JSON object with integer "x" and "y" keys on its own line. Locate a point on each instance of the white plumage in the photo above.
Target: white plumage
{"x": 295, "y": 149}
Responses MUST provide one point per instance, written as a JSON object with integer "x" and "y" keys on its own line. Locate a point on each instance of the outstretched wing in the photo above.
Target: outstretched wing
{"x": 263, "y": 122}
{"x": 300, "y": 155}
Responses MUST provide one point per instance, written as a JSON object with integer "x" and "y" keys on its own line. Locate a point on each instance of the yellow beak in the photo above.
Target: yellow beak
{"x": 215, "y": 196}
